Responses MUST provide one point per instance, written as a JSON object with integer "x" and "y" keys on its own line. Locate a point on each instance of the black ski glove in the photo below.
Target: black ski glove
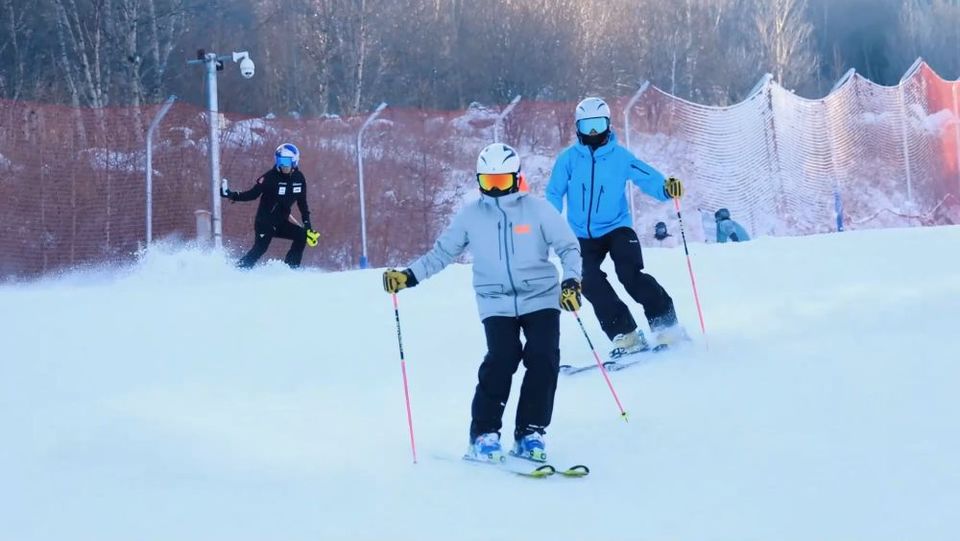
{"x": 230, "y": 194}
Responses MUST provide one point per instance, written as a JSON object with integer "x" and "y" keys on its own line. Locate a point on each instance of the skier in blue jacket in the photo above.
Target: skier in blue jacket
{"x": 592, "y": 174}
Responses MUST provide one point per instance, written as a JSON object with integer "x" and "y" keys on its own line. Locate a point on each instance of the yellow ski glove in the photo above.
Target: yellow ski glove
{"x": 570, "y": 295}
{"x": 312, "y": 238}
{"x": 394, "y": 280}
{"x": 673, "y": 188}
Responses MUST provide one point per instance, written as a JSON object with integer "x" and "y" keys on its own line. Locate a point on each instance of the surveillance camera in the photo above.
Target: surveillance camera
{"x": 247, "y": 68}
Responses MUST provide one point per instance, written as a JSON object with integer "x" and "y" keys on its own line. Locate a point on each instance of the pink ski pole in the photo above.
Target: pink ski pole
{"x": 403, "y": 370}
{"x": 603, "y": 369}
{"x": 693, "y": 280}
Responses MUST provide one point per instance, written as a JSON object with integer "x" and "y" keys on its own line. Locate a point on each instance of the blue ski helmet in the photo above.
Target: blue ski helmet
{"x": 286, "y": 155}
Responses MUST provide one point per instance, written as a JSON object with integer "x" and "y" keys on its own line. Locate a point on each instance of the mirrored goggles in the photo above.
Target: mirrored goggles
{"x": 496, "y": 181}
{"x": 284, "y": 161}
{"x": 592, "y": 126}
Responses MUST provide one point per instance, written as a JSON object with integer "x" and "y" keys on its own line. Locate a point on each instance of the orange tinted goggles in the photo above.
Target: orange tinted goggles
{"x": 499, "y": 181}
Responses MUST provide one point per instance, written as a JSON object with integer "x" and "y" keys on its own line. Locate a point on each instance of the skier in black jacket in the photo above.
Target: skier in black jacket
{"x": 278, "y": 189}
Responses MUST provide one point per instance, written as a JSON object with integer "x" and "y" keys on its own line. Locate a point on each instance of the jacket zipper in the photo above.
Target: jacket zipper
{"x": 583, "y": 197}
{"x": 516, "y": 306}
{"x": 593, "y": 170}
{"x": 499, "y": 243}
{"x": 599, "y": 195}
{"x": 513, "y": 241}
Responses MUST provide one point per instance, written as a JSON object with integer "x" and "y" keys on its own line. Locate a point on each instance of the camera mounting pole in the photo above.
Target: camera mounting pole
{"x": 214, "y": 63}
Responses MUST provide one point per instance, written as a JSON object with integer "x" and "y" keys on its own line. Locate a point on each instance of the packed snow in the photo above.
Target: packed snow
{"x": 182, "y": 399}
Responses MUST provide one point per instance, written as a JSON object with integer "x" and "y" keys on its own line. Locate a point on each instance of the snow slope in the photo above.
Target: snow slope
{"x": 182, "y": 399}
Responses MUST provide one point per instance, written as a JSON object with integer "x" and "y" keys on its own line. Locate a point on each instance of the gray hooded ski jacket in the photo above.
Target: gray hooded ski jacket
{"x": 510, "y": 237}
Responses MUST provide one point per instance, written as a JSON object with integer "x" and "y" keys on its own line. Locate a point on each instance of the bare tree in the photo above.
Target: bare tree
{"x": 319, "y": 56}
{"x": 931, "y": 29}
{"x": 165, "y": 27}
{"x": 82, "y": 38}
{"x": 13, "y": 17}
{"x": 784, "y": 39}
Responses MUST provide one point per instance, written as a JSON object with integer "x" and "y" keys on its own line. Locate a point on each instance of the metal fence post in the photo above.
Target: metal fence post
{"x": 903, "y": 125}
{"x": 364, "y": 262}
{"x": 631, "y": 191}
{"x": 153, "y": 126}
{"x": 956, "y": 113}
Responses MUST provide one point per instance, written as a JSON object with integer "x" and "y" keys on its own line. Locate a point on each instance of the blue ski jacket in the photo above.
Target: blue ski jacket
{"x": 595, "y": 182}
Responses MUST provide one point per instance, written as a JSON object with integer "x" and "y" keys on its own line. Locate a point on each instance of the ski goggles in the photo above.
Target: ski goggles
{"x": 496, "y": 181}
{"x": 285, "y": 161}
{"x": 588, "y": 126}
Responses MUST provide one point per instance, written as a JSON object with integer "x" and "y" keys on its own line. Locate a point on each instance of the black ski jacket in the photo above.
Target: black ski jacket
{"x": 277, "y": 193}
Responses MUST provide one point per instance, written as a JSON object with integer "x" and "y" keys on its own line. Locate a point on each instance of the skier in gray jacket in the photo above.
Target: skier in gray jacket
{"x": 517, "y": 288}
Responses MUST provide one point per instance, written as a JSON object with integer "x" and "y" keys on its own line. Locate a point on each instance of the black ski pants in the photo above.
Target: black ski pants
{"x": 263, "y": 234}
{"x": 615, "y": 318}
{"x": 541, "y": 357}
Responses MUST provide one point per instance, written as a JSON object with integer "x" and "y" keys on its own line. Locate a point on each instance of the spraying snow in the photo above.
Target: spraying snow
{"x": 183, "y": 399}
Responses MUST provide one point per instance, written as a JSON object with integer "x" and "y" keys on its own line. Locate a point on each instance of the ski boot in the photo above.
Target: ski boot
{"x": 628, "y": 344}
{"x": 671, "y": 336}
{"x": 531, "y": 447}
{"x": 486, "y": 448}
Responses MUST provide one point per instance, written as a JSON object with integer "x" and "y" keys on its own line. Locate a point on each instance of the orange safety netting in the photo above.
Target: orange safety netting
{"x": 72, "y": 188}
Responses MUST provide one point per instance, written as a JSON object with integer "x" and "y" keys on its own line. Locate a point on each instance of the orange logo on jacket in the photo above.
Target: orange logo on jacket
{"x": 520, "y": 229}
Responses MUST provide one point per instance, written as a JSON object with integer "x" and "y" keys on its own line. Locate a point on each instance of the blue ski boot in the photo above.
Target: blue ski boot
{"x": 531, "y": 447}
{"x": 486, "y": 448}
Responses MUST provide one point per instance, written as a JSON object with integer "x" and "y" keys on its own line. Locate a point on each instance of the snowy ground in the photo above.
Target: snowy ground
{"x": 185, "y": 400}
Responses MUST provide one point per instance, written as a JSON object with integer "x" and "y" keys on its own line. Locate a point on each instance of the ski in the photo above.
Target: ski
{"x": 575, "y": 471}
{"x": 539, "y": 472}
{"x": 531, "y": 469}
{"x": 617, "y": 364}
{"x": 578, "y": 470}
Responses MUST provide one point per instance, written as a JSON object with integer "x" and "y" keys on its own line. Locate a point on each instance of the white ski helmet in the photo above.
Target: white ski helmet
{"x": 498, "y": 158}
{"x": 287, "y": 155}
{"x": 498, "y": 170}
{"x": 592, "y": 108}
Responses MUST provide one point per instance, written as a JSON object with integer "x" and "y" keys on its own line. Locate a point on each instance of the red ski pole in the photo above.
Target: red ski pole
{"x": 403, "y": 370}
{"x": 603, "y": 369}
{"x": 693, "y": 280}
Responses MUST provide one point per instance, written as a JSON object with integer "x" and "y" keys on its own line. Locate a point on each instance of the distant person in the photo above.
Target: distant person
{"x": 277, "y": 190}
{"x": 592, "y": 176}
{"x": 727, "y": 229}
{"x": 709, "y": 225}
{"x": 660, "y": 232}
{"x": 510, "y": 234}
